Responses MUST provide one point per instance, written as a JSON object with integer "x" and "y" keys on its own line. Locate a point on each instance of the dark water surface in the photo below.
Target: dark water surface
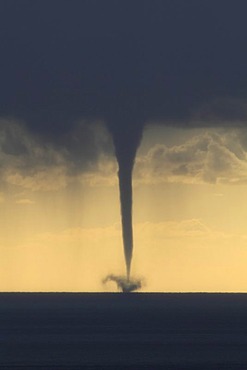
{"x": 123, "y": 331}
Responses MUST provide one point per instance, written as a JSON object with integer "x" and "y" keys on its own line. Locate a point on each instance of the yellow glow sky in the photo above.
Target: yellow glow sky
{"x": 190, "y": 231}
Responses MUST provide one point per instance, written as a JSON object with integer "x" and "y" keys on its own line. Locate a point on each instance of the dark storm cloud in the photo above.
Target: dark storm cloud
{"x": 224, "y": 112}
{"x": 154, "y": 59}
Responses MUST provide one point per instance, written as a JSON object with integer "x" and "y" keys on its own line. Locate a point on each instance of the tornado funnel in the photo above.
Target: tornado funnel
{"x": 125, "y": 189}
{"x": 126, "y": 138}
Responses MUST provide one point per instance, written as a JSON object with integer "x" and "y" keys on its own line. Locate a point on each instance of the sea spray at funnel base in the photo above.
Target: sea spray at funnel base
{"x": 125, "y": 284}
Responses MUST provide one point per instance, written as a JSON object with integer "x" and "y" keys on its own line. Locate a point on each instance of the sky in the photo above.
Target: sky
{"x": 84, "y": 83}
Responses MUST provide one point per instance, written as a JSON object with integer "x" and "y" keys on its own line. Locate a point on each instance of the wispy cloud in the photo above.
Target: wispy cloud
{"x": 2, "y": 198}
{"x": 25, "y": 201}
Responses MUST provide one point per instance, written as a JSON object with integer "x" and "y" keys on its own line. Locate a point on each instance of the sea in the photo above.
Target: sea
{"x": 182, "y": 331}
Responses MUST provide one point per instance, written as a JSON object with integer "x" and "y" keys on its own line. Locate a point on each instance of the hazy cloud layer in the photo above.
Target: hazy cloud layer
{"x": 212, "y": 157}
{"x": 192, "y": 228}
{"x": 189, "y": 228}
{"x": 85, "y": 155}
{"x": 28, "y": 161}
